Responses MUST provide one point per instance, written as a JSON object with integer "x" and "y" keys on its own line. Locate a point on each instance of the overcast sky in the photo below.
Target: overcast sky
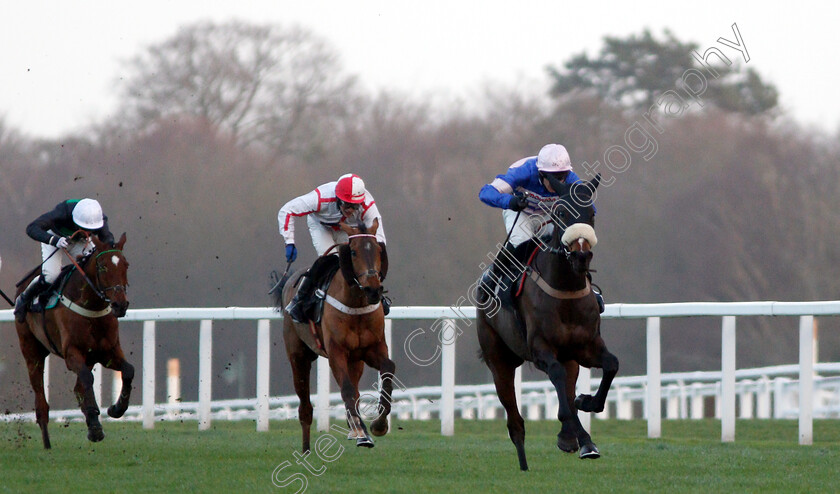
{"x": 60, "y": 58}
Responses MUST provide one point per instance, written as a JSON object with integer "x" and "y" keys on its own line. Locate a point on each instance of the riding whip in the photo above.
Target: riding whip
{"x": 7, "y": 298}
{"x": 281, "y": 281}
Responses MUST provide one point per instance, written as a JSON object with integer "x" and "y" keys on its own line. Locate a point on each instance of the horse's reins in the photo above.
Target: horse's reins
{"x": 101, "y": 294}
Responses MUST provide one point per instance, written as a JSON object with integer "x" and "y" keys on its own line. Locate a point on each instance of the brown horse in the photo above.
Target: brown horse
{"x": 351, "y": 334}
{"x": 83, "y": 330}
{"x": 562, "y": 325}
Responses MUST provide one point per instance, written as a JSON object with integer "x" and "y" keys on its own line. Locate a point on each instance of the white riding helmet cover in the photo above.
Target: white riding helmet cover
{"x": 88, "y": 214}
{"x": 553, "y": 158}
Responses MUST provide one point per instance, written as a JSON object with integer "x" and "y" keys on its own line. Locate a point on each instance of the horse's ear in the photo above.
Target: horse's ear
{"x": 383, "y": 262}
{"x": 345, "y": 262}
{"x": 121, "y": 242}
{"x": 374, "y": 226}
{"x": 559, "y": 187}
{"x": 595, "y": 181}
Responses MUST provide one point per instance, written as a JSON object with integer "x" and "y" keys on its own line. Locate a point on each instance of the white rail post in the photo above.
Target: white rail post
{"x": 447, "y": 371}
{"x": 205, "y": 373}
{"x": 585, "y": 387}
{"x": 654, "y": 379}
{"x": 806, "y": 380}
{"x": 97, "y": 384}
{"x": 763, "y": 403}
{"x": 727, "y": 357}
{"x": 388, "y": 339}
{"x": 47, "y": 378}
{"x": 148, "y": 374}
{"x": 517, "y": 387}
{"x": 263, "y": 372}
{"x": 697, "y": 401}
{"x": 323, "y": 398}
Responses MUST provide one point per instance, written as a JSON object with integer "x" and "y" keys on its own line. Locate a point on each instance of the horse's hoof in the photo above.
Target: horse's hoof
{"x": 567, "y": 444}
{"x": 379, "y": 429}
{"x": 586, "y": 403}
{"x": 364, "y": 442}
{"x": 114, "y": 412}
{"x": 95, "y": 434}
{"x": 582, "y": 402}
{"x": 589, "y": 452}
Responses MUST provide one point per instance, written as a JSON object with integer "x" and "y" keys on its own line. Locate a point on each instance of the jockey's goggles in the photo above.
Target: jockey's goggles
{"x": 558, "y": 175}
{"x": 348, "y": 205}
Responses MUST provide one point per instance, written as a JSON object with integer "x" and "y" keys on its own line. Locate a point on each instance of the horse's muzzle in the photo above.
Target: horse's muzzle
{"x": 119, "y": 308}
{"x": 580, "y": 261}
{"x": 374, "y": 295}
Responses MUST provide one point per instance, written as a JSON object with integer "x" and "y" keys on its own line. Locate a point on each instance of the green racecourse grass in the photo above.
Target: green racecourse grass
{"x": 414, "y": 457}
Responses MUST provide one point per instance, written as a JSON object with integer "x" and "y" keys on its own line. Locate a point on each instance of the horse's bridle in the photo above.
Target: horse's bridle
{"x": 370, "y": 272}
{"x": 99, "y": 269}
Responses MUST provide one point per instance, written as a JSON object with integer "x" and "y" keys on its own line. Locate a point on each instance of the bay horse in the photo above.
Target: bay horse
{"x": 83, "y": 330}
{"x": 562, "y": 324}
{"x": 351, "y": 334}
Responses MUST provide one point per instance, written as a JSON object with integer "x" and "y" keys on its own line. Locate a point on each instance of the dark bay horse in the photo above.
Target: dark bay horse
{"x": 562, "y": 324}
{"x": 83, "y": 330}
{"x": 351, "y": 334}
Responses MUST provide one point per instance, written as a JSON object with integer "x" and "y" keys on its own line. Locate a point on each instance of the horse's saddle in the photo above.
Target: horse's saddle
{"x": 48, "y": 299}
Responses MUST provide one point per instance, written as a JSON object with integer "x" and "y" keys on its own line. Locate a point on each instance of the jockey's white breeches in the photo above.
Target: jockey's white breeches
{"x": 527, "y": 225}
{"x": 323, "y": 237}
{"x": 53, "y": 261}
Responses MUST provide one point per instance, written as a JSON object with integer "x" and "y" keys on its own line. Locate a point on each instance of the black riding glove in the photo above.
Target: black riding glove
{"x": 517, "y": 203}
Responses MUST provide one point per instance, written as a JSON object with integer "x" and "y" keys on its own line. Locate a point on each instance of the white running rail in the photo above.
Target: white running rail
{"x": 794, "y": 391}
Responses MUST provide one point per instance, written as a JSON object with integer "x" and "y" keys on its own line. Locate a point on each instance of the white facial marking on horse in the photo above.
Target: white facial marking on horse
{"x": 115, "y": 260}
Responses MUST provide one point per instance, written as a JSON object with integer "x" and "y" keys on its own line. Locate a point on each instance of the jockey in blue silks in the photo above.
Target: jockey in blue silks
{"x": 526, "y": 197}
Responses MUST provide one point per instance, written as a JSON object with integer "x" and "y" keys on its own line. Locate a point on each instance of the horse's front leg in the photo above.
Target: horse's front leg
{"x": 118, "y": 363}
{"x": 574, "y": 431}
{"x": 84, "y": 393}
{"x": 378, "y": 359}
{"x": 546, "y": 361}
{"x": 347, "y": 374}
{"x": 598, "y": 357}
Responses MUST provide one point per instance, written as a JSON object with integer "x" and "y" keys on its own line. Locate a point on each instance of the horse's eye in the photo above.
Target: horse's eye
{"x": 353, "y": 253}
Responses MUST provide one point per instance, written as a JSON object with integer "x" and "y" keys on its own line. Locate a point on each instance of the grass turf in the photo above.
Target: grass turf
{"x": 414, "y": 457}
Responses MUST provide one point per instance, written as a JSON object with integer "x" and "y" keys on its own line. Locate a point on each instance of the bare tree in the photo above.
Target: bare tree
{"x": 263, "y": 85}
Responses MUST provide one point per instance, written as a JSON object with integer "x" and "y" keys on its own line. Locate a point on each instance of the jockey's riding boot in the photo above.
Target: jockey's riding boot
{"x": 499, "y": 275}
{"x": 296, "y": 307}
{"x": 35, "y": 287}
{"x": 597, "y": 290}
{"x": 504, "y": 269}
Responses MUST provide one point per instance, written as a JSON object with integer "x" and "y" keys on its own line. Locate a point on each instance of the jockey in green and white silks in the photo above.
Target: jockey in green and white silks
{"x": 54, "y": 230}
{"x": 343, "y": 201}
